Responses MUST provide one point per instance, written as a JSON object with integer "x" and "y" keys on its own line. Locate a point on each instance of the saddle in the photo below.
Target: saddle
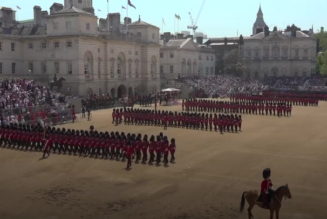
{"x": 263, "y": 201}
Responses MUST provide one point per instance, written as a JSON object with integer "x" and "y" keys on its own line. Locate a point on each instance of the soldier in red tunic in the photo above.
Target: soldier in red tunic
{"x": 266, "y": 188}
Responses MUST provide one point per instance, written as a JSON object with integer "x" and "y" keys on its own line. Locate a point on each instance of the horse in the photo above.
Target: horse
{"x": 275, "y": 204}
{"x": 58, "y": 83}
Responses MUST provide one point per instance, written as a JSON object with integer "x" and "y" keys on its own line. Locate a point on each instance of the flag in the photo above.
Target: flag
{"x": 18, "y": 7}
{"x": 177, "y": 17}
{"x": 130, "y": 4}
{"x": 123, "y": 7}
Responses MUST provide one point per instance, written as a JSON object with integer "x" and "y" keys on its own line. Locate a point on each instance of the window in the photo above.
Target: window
{"x": 207, "y": 58}
{"x": 207, "y": 70}
{"x": 69, "y": 44}
{"x": 305, "y": 54}
{"x": 296, "y": 53}
{"x": 69, "y": 68}
{"x": 285, "y": 52}
{"x": 161, "y": 55}
{"x": 79, "y": 1}
{"x": 153, "y": 36}
{"x": 171, "y": 55}
{"x": 13, "y": 68}
{"x": 68, "y": 25}
{"x": 112, "y": 68}
{"x": 136, "y": 53}
{"x": 87, "y": 26}
{"x": 171, "y": 69}
{"x": 136, "y": 68}
{"x": 30, "y": 67}
{"x": 12, "y": 46}
{"x": 161, "y": 69}
{"x": 56, "y": 45}
{"x": 130, "y": 68}
{"x": 30, "y": 45}
{"x": 266, "y": 52}
{"x": 55, "y": 25}
{"x": 0, "y": 67}
{"x": 56, "y": 67}
{"x": 43, "y": 45}
{"x": 44, "y": 67}
{"x": 0, "y": 46}
{"x": 200, "y": 57}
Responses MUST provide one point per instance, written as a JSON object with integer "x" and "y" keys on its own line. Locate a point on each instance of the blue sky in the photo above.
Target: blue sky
{"x": 219, "y": 18}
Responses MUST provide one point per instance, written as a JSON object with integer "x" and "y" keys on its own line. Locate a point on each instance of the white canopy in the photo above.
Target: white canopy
{"x": 170, "y": 90}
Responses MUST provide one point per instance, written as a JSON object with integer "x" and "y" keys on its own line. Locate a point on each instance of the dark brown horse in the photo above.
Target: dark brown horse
{"x": 275, "y": 204}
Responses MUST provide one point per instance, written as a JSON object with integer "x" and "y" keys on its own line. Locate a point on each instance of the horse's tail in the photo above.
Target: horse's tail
{"x": 242, "y": 202}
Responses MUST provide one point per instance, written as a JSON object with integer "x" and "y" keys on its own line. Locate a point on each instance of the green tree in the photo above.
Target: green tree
{"x": 322, "y": 63}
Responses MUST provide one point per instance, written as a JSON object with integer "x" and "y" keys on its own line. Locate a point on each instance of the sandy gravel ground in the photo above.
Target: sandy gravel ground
{"x": 211, "y": 172}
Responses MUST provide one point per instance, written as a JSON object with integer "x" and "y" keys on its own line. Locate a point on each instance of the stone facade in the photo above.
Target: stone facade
{"x": 121, "y": 59}
{"x": 291, "y": 52}
{"x": 279, "y": 54}
{"x": 185, "y": 58}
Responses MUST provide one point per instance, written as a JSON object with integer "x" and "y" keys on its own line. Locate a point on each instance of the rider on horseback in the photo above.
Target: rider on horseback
{"x": 266, "y": 188}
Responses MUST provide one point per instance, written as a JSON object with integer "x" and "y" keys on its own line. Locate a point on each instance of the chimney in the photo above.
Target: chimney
{"x": 127, "y": 20}
{"x": 167, "y": 37}
{"x": 37, "y": 15}
{"x": 103, "y": 24}
{"x": 114, "y": 22}
{"x": 199, "y": 40}
{"x": 8, "y": 17}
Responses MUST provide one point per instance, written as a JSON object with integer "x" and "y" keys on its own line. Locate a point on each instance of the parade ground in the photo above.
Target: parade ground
{"x": 207, "y": 181}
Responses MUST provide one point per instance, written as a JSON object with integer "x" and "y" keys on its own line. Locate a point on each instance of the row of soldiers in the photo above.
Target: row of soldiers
{"x": 288, "y": 100}
{"x": 254, "y": 108}
{"x": 203, "y": 121}
{"x": 105, "y": 145}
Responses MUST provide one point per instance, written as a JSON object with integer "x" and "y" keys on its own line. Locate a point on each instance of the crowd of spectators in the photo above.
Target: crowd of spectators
{"x": 25, "y": 101}
{"x": 314, "y": 83}
{"x": 224, "y": 85}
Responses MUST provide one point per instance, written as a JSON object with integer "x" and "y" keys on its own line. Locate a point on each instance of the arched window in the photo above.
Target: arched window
{"x": 88, "y": 65}
{"x": 276, "y": 52}
{"x": 99, "y": 67}
{"x": 194, "y": 68}
{"x": 184, "y": 67}
{"x": 137, "y": 67}
{"x": 112, "y": 67}
{"x": 153, "y": 67}
{"x": 189, "y": 67}
{"x": 121, "y": 66}
{"x": 129, "y": 68}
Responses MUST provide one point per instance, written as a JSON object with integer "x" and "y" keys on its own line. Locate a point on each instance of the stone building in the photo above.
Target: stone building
{"x": 91, "y": 54}
{"x": 182, "y": 57}
{"x": 290, "y": 52}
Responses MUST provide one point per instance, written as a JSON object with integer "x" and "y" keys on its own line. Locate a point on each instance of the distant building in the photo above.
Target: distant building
{"x": 291, "y": 52}
{"x": 182, "y": 57}
{"x": 92, "y": 54}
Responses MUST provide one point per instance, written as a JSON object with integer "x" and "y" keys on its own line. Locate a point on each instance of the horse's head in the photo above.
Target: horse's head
{"x": 287, "y": 192}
